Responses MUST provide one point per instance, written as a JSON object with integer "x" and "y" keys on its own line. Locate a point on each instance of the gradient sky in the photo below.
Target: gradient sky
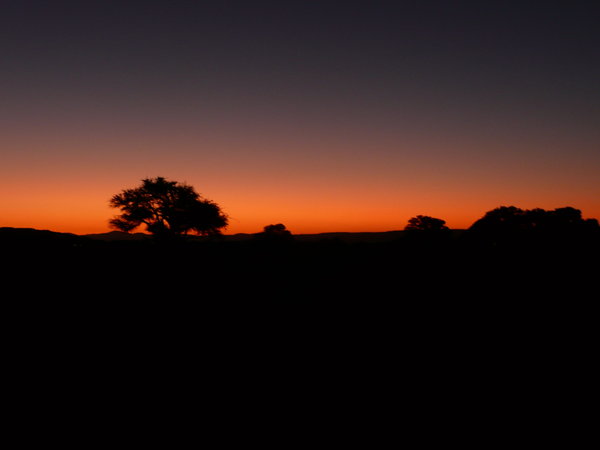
{"x": 322, "y": 115}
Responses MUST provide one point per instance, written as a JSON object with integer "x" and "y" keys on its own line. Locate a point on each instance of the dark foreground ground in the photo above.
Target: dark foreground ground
{"x": 438, "y": 293}
{"x": 445, "y": 339}
{"x": 396, "y": 269}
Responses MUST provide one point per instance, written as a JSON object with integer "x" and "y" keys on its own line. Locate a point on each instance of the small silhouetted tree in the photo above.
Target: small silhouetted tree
{"x": 275, "y": 233}
{"x": 277, "y": 230}
{"x": 427, "y": 232}
{"x": 167, "y": 208}
{"x": 426, "y": 223}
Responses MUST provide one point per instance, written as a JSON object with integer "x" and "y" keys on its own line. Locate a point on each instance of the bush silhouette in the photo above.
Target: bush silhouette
{"x": 426, "y": 223}
{"x": 427, "y": 232}
{"x": 275, "y": 233}
{"x": 510, "y": 219}
{"x": 509, "y": 225}
{"x": 166, "y": 208}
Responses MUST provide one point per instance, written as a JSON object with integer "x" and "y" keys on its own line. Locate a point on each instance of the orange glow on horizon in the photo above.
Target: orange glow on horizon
{"x": 347, "y": 189}
{"x": 86, "y": 211}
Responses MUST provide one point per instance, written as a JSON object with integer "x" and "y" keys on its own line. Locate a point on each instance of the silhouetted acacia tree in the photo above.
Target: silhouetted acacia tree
{"x": 426, "y": 223}
{"x": 167, "y": 208}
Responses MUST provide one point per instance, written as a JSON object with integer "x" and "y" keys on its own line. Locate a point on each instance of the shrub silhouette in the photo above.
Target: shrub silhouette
{"x": 508, "y": 225}
{"x": 167, "y": 208}
{"x": 427, "y": 232}
{"x": 426, "y": 223}
{"x": 513, "y": 219}
{"x": 275, "y": 233}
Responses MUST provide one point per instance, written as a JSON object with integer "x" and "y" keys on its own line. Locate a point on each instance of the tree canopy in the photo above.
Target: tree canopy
{"x": 277, "y": 230}
{"x": 510, "y": 219}
{"x": 167, "y": 208}
{"x": 425, "y": 223}
{"x": 275, "y": 233}
{"x": 509, "y": 226}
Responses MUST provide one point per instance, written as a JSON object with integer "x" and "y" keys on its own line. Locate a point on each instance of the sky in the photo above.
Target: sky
{"x": 321, "y": 115}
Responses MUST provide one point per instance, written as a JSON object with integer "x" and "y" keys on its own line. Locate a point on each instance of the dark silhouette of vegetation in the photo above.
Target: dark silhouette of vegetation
{"x": 511, "y": 226}
{"x": 167, "y": 208}
{"x": 427, "y": 232}
{"x": 426, "y": 223}
{"x": 512, "y": 219}
{"x": 277, "y": 230}
{"x": 275, "y": 233}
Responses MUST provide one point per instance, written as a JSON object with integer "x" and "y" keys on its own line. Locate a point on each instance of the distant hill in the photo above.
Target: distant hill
{"x": 347, "y": 237}
{"x": 118, "y": 236}
{"x": 7, "y": 233}
{"x": 31, "y": 235}
{"x": 32, "y": 238}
